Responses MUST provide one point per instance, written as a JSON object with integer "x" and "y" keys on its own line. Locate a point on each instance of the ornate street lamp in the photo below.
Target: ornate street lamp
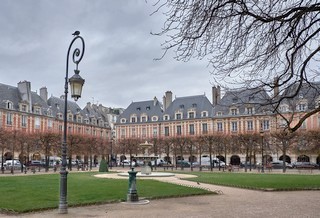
{"x": 76, "y": 83}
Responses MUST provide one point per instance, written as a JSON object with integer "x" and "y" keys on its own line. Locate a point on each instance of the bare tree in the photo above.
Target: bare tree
{"x": 282, "y": 140}
{"x": 270, "y": 44}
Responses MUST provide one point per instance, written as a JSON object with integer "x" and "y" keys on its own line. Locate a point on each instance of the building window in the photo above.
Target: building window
{"x": 179, "y": 130}
{"x": 154, "y": 118}
{"x": 144, "y": 132}
{"x": 50, "y": 124}
{"x": 9, "y": 118}
{"x": 143, "y": 119}
{"x": 265, "y": 125}
{"x": 166, "y": 131}
{"x": 79, "y": 119}
{"x": 24, "y": 108}
{"x": 234, "y": 126}
{"x": 249, "y": 125}
{"x": 37, "y": 110}
{"x": 166, "y": 117}
{"x": 204, "y": 128}
{"x": 133, "y": 119}
{"x": 219, "y": 113}
{"x": 133, "y": 132}
{"x": 249, "y": 110}
{"x": 191, "y": 129}
{"x": 37, "y": 123}
{"x": 9, "y": 105}
{"x": 178, "y": 116}
{"x": 302, "y": 107}
{"x": 155, "y": 131}
{"x": 23, "y": 120}
{"x": 123, "y": 120}
{"x": 70, "y": 117}
{"x": 191, "y": 115}
{"x": 219, "y": 127}
{"x": 204, "y": 114}
{"x": 234, "y": 111}
{"x": 123, "y": 133}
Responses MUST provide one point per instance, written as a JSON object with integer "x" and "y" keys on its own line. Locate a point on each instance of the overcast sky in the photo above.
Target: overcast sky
{"x": 118, "y": 64}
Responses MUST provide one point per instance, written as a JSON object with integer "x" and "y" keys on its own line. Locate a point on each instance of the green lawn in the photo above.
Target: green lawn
{"x": 260, "y": 181}
{"x": 37, "y": 192}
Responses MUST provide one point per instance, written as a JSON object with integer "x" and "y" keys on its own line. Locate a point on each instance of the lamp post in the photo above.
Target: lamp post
{"x": 262, "y": 164}
{"x": 76, "y": 83}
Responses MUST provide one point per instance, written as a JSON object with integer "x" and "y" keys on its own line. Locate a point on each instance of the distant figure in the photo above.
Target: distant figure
{"x": 198, "y": 183}
{"x": 76, "y": 33}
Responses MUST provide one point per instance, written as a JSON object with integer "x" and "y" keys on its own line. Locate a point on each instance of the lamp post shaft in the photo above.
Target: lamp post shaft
{"x": 77, "y": 57}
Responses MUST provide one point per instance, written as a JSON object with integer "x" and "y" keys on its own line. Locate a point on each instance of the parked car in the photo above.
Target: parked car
{"x": 35, "y": 163}
{"x": 216, "y": 163}
{"x": 127, "y": 163}
{"x": 279, "y": 164}
{"x": 305, "y": 165}
{"x": 183, "y": 163}
{"x": 253, "y": 165}
{"x": 160, "y": 162}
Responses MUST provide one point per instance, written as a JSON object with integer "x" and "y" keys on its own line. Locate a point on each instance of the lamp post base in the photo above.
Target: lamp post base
{"x": 63, "y": 208}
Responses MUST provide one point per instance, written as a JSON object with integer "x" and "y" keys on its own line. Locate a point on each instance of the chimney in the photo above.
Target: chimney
{"x": 24, "y": 88}
{"x": 216, "y": 95}
{"x": 44, "y": 93}
{"x": 155, "y": 100}
{"x": 168, "y": 99}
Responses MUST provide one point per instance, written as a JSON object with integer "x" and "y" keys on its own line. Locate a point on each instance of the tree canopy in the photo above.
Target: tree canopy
{"x": 273, "y": 44}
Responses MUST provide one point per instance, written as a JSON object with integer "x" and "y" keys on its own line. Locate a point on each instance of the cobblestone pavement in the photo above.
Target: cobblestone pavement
{"x": 229, "y": 202}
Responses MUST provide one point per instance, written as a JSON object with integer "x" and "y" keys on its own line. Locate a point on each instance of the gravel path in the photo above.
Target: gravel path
{"x": 230, "y": 202}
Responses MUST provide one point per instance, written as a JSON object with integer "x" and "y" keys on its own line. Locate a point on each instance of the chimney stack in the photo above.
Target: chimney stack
{"x": 44, "y": 93}
{"x": 216, "y": 95}
{"x": 167, "y": 99}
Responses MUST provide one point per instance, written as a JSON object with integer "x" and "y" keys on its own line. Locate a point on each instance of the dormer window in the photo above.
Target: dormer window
{"x": 133, "y": 119}
{"x": 234, "y": 111}
{"x": 302, "y": 107}
{"x": 86, "y": 120}
{"x": 49, "y": 112}
{"x": 37, "y": 110}
{"x": 148, "y": 108}
{"x": 181, "y": 106}
{"x": 204, "y": 114}
{"x": 144, "y": 119}
{"x": 79, "y": 119}
{"x": 178, "y": 116}
{"x": 138, "y": 108}
{"x": 249, "y": 110}
{"x": 154, "y": 118}
{"x": 24, "y": 108}
{"x": 9, "y": 105}
{"x": 194, "y": 105}
{"x": 70, "y": 117}
{"x": 191, "y": 115}
{"x": 219, "y": 113}
{"x": 123, "y": 120}
{"x": 166, "y": 117}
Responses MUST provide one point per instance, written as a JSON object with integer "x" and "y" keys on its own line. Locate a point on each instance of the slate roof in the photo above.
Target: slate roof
{"x": 13, "y": 94}
{"x": 241, "y": 99}
{"x": 310, "y": 91}
{"x": 150, "y": 108}
{"x": 9, "y": 93}
{"x": 57, "y": 106}
{"x": 198, "y": 103}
